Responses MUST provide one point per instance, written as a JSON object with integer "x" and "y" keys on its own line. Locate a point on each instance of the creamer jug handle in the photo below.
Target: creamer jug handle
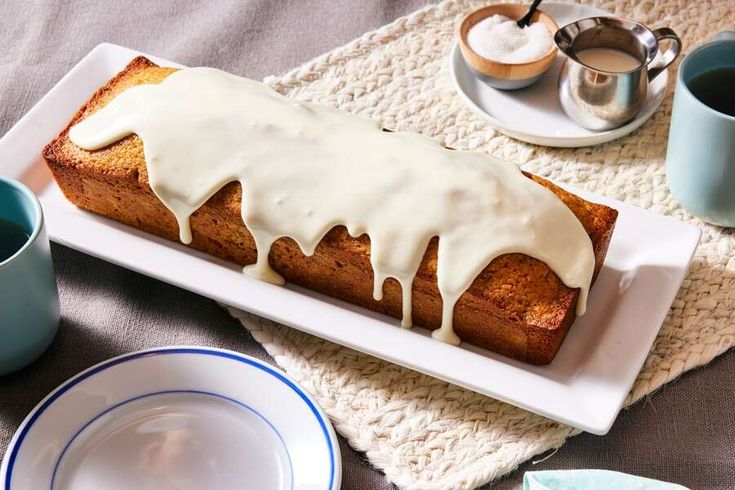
{"x": 665, "y": 58}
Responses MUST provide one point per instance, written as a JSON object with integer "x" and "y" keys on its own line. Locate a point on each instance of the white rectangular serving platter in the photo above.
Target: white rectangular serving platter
{"x": 584, "y": 387}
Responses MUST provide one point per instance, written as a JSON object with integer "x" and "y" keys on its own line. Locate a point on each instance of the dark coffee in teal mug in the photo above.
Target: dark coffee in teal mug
{"x": 29, "y": 301}
{"x": 700, "y": 159}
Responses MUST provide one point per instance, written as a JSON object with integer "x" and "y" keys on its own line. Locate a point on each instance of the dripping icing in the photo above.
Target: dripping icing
{"x": 306, "y": 169}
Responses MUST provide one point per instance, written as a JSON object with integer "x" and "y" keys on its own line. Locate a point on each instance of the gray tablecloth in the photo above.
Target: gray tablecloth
{"x": 685, "y": 433}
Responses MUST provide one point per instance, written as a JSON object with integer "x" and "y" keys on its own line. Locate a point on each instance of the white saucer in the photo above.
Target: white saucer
{"x": 534, "y": 114}
{"x": 178, "y": 417}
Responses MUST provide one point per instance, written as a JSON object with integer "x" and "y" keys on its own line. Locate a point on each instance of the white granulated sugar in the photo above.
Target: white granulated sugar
{"x": 500, "y": 39}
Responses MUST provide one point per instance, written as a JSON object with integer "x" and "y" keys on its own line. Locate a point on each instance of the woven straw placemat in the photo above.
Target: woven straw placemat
{"x": 426, "y": 433}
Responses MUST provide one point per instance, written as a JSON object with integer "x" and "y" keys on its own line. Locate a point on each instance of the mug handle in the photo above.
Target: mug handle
{"x": 724, "y": 36}
{"x": 664, "y": 59}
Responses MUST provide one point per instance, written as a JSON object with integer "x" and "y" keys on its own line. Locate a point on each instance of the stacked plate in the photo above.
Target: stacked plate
{"x": 179, "y": 417}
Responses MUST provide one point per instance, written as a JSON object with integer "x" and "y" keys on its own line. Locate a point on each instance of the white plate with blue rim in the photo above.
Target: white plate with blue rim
{"x": 176, "y": 417}
{"x": 534, "y": 114}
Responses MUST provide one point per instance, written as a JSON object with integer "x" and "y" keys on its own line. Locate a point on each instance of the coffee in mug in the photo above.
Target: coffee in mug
{"x": 716, "y": 88}
{"x": 12, "y": 239}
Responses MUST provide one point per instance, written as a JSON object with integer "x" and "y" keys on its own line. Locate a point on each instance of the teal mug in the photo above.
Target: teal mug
{"x": 29, "y": 300}
{"x": 700, "y": 159}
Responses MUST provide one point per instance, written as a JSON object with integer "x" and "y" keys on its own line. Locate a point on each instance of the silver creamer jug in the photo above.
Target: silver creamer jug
{"x": 600, "y": 99}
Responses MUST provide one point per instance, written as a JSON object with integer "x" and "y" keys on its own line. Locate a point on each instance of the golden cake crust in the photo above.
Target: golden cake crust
{"x": 517, "y": 306}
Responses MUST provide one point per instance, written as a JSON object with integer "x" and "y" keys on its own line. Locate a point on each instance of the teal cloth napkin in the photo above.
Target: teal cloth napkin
{"x": 591, "y": 480}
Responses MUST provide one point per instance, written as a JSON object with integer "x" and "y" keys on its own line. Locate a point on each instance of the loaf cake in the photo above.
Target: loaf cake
{"x": 516, "y": 306}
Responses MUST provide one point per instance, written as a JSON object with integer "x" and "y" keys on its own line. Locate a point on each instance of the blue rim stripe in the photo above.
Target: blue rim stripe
{"x": 170, "y": 392}
{"x": 180, "y": 350}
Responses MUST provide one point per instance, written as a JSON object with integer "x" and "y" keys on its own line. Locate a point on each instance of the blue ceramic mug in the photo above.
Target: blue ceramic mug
{"x": 29, "y": 301}
{"x": 700, "y": 159}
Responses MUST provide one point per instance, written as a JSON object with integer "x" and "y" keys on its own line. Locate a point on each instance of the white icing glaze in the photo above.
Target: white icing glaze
{"x": 306, "y": 169}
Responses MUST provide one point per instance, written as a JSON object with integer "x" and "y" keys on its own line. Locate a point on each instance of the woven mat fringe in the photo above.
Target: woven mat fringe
{"x": 425, "y": 433}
